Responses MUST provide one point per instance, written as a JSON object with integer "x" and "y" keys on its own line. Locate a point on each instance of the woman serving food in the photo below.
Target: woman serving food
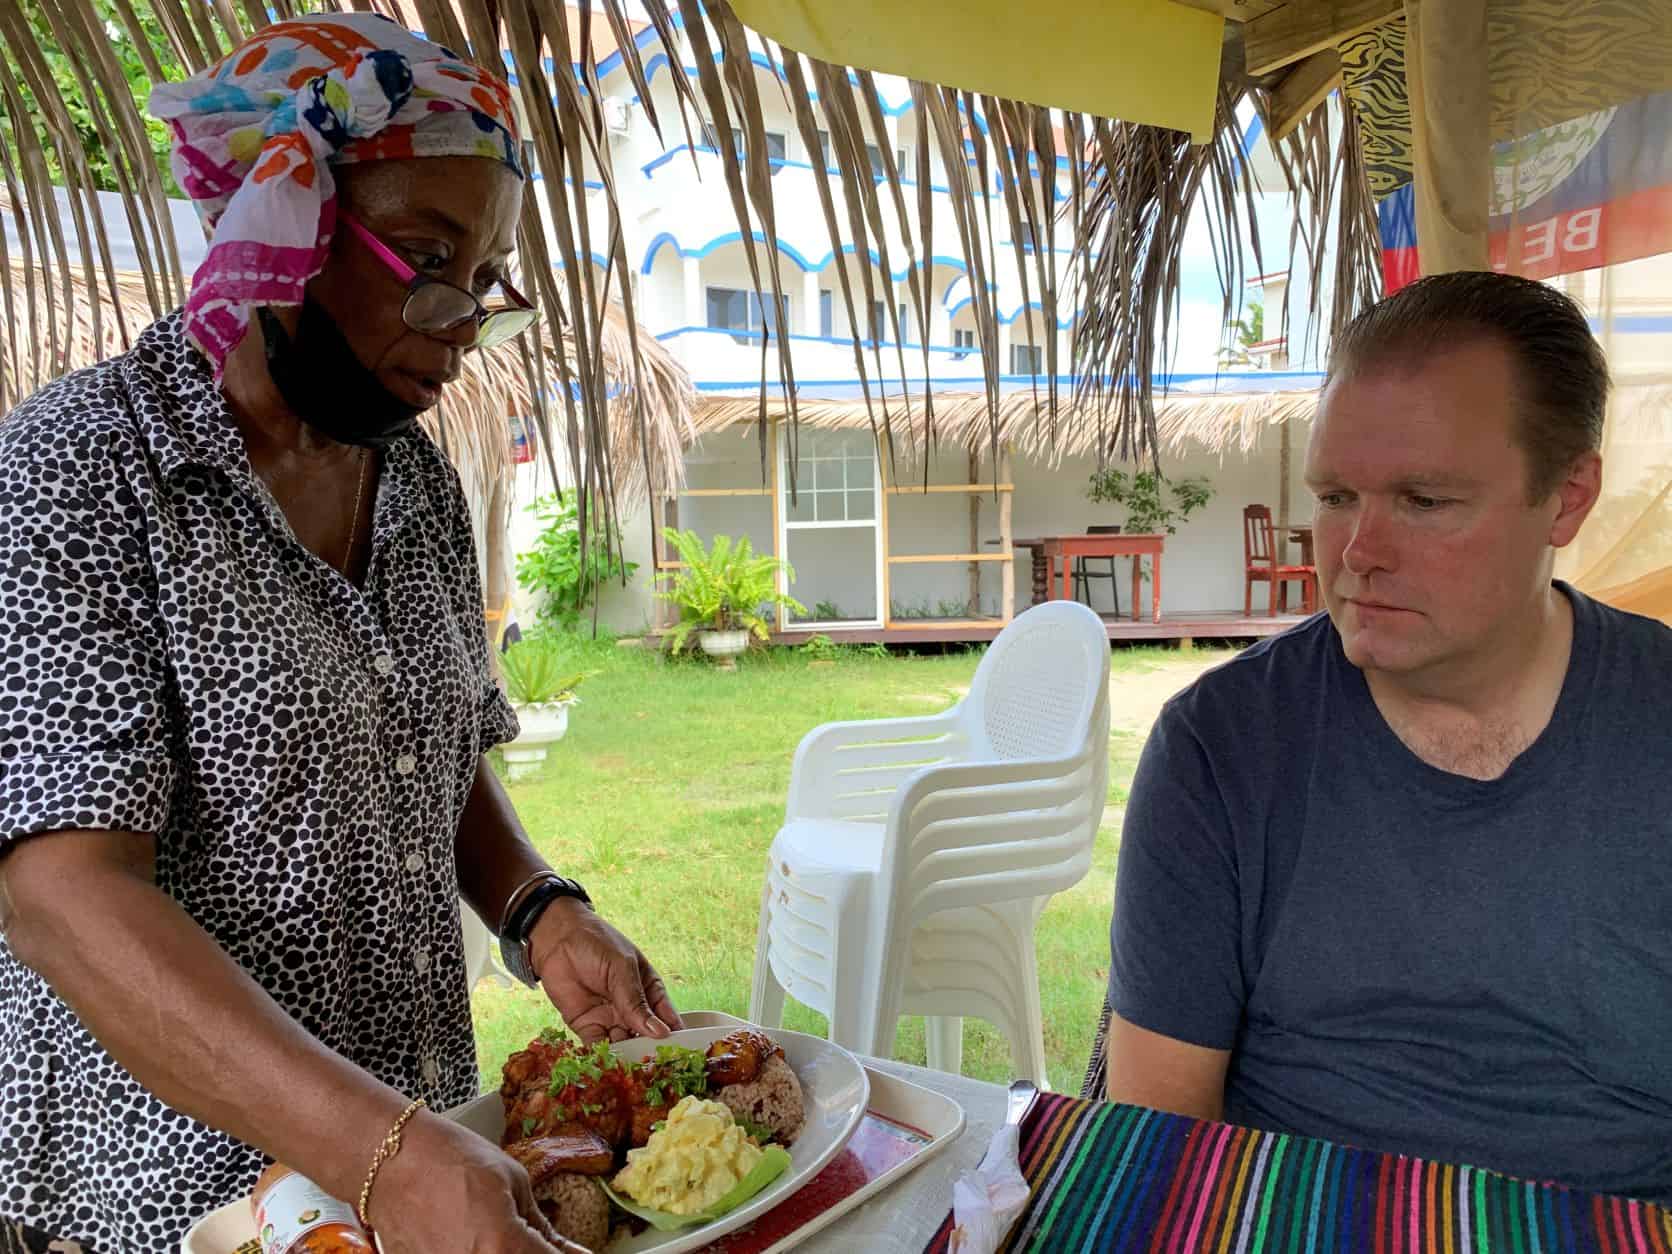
{"x": 245, "y": 694}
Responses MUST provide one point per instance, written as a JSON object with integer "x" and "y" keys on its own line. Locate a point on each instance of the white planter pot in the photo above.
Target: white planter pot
{"x": 724, "y": 646}
{"x": 541, "y": 725}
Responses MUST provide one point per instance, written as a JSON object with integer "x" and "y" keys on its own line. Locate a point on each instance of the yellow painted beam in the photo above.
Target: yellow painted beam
{"x": 1148, "y": 61}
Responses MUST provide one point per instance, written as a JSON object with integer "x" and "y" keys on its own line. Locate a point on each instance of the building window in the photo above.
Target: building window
{"x": 827, "y": 314}
{"x": 963, "y": 338}
{"x": 835, "y": 480}
{"x": 776, "y": 145}
{"x": 1026, "y": 359}
{"x": 824, "y": 148}
{"x": 875, "y": 153}
{"x": 733, "y": 309}
{"x": 1025, "y": 236}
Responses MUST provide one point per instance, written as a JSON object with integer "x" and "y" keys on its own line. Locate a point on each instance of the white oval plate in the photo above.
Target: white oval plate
{"x": 834, "y": 1089}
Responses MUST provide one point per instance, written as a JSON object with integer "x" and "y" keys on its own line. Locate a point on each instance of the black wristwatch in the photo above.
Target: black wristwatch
{"x": 523, "y": 911}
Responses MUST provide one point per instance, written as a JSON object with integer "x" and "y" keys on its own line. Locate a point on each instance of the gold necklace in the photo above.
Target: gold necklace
{"x": 354, "y": 518}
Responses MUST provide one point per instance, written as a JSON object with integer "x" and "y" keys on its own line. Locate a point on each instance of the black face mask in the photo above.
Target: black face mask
{"x": 325, "y": 385}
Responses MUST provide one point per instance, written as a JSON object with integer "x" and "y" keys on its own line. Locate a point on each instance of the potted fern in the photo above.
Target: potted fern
{"x": 541, "y": 688}
{"x": 723, "y": 594}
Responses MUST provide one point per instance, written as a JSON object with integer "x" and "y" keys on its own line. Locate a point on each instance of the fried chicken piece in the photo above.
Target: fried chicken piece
{"x": 595, "y": 1098}
{"x": 738, "y": 1057}
{"x": 569, "y": 1147}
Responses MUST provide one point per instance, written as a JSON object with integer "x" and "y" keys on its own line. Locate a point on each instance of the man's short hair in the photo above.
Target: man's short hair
{"x": 1560, "y": 369}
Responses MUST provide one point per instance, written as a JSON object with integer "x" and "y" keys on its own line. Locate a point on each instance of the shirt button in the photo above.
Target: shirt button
{"x": 421, "y": 961}
{"x": 415, "y": 862}
{"x": 383, "y": 663}
{"x": 406, "y": 764}
{"x": 432, "y": 1070}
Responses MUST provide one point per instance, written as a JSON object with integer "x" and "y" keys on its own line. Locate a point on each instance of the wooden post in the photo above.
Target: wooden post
{"x": 884, "y": 613}
{"x": 973, "y": 600}
{"x": 772, "y": 437}
{"x": 1283, "y": 459}
{"x": 664, "y": 552}
{"x": 1007, "y": 568}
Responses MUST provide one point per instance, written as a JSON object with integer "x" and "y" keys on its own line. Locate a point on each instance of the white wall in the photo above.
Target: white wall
{"x": 1202, "y": 567}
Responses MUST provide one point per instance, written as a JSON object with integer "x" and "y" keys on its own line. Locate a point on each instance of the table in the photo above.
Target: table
{"x": 901, "y": 1220}
{"x": 1060, "y": 551}
{"x": 1302, "y": 535}
{"x": 1361, "y": 1201}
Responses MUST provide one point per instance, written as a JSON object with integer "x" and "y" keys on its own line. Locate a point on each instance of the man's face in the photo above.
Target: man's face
{"x": 1429, "y": 552}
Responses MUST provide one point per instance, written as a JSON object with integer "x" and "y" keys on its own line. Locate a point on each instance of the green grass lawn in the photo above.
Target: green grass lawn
{"x": 666, "y": 793}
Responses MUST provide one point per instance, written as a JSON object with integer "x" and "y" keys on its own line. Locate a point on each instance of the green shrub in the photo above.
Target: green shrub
{"x": 537, "y": 671}
{"x": 553, "y": 567}
{"x": 724, "y": 588}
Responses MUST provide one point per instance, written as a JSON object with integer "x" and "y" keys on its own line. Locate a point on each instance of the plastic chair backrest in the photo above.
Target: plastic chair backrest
{"x": 1257, "y": 539}
{"x": 1035, "y": 691}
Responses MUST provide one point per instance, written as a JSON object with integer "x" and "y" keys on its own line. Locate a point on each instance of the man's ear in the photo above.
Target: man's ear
{"x": 1576, "y": 495}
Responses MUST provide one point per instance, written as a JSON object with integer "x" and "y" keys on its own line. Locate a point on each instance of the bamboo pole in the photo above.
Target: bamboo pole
{"x": 1284, "y": 456}
{"x": 973, "y": 600}
{"x": 1007, "y": 572}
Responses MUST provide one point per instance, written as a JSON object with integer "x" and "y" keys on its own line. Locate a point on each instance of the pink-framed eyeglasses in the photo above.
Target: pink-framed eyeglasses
{"x": 434, "y": 306}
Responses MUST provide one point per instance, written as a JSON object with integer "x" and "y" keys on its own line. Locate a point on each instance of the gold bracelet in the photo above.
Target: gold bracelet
{"x": 390, "y": 1147}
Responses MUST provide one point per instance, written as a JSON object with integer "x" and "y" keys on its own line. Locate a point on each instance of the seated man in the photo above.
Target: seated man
{"x": 1401, "y": 877}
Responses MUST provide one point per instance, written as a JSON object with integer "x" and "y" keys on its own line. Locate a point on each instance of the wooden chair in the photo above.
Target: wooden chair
{"x": 1260, "y": 565}
{"x": 1083, "y": 574}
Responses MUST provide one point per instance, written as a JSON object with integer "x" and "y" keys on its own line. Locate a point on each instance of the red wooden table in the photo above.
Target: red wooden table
{"x": 1060, "y": 552}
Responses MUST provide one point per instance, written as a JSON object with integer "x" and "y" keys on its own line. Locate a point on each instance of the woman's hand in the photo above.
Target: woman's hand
{"x": 601, "y": 984}
{"x": 450, "y": 1192}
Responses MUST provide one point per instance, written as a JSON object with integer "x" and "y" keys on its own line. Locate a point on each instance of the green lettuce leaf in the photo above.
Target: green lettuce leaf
{"x": 775, "y": 1160}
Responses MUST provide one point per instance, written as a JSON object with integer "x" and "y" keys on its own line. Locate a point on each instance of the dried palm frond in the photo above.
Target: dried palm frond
{"x": 471, "y": 420}
{"x": 1218, "y": 423}
{"x": 1130, "y": 190}
{"x": 1335, "y": 222}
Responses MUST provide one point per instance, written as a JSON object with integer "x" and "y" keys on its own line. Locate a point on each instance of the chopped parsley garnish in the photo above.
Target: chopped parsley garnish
{"x": 529, "y": 1124}
{"x": 554, "y": 1036}
{"x": 682, "y": 1070}
{"x": 583, "y": 1066}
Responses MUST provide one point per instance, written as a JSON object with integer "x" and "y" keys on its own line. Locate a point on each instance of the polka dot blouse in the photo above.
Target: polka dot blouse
{"x": 174, "y": 661}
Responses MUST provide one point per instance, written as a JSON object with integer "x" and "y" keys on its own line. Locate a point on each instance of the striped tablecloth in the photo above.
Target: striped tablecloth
{"x": 1123, "y": 1178}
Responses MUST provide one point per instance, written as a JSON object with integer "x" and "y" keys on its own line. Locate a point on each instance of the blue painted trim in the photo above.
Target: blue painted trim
{"x": 1062, "y": 323}
{"x": 719, "y": 241}
{"x": 736, "y": 237}
{"x": 591, "y": 185}
{"x": 614, "y": 62}
{"x": 841, "y": 341}
{"x": 1070, "y": 380}
{"x": 598, "y": 259}
{"x": 1251, "y": 136}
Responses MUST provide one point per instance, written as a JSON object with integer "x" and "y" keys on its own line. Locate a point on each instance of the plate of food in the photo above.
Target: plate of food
{"x": 666, "y": 1145}
{"x": 576, "y": 1115}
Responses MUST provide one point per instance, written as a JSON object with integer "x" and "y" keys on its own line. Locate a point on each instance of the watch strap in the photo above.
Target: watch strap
{"x": 526, "y": 906}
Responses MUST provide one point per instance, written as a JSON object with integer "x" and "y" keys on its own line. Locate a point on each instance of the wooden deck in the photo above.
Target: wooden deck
{"x": 1215, "y": 625}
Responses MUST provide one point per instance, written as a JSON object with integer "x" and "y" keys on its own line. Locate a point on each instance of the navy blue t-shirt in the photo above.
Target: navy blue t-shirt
{"x": 1403, "y": 959}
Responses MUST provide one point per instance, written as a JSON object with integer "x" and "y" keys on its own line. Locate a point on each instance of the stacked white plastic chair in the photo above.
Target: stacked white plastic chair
{"x": 481, "y": 956}
{"x": 917, "y": 853}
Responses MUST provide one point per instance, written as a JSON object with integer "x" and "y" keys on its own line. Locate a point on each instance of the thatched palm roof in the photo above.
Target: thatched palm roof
{"x": 471, "y": 423}
{"x": 1218, "y": 422}
{"x": 1130, "y": 188}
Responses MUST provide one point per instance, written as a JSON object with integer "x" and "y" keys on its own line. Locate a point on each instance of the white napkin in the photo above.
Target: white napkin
{"x": 986, "y": 1201}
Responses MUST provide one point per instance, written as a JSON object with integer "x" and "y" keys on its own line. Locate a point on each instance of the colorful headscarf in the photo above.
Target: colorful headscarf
{"x": 255, "y": 136}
